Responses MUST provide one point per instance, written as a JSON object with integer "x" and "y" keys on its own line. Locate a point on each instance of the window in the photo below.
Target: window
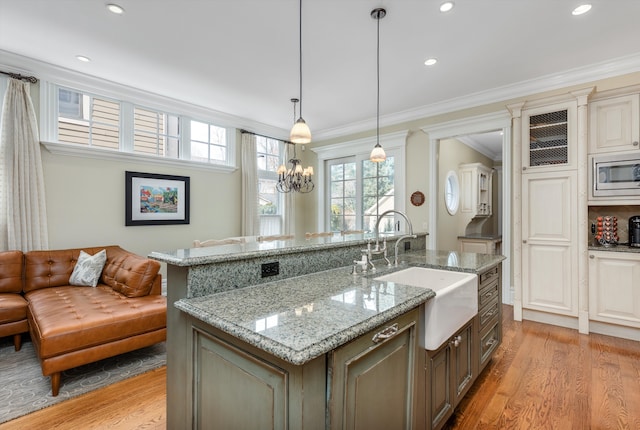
{"x": 377, "y": 193}
{"x": 155, "y": 133}
{"x": 355, "y": 190}
{"x": 86, "y": 119}
{"x": 451, "y": 192}
{"x": 342, "y": 195}
{"x": 208, "y": 142}
{"x": 359, "y": 191}
{"x": 270, "y": 154}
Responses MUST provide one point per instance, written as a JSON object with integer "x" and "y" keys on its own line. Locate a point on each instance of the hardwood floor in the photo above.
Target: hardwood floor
{"x": 542, "y": 377}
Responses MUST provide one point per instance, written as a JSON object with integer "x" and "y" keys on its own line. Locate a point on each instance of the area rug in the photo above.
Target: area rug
{"x": 23, "y": 389}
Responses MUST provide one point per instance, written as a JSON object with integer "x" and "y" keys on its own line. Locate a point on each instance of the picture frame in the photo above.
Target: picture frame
{"x": 155, "y": 199}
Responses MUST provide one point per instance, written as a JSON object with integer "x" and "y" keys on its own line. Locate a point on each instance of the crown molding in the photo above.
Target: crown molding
{"x": 571, "y": 77}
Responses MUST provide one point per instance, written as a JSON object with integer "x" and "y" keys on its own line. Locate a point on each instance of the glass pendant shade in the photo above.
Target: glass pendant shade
{"x": 377, "y": 154}
{"x": 300, "y": 132}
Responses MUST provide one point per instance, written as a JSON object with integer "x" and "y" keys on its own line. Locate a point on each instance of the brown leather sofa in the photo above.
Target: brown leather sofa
{"x": 71, "y": 325}
{"x": 13, "y": 306}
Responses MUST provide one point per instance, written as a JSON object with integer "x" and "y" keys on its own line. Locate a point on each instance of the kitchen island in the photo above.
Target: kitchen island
{"x": 297, "y": 344}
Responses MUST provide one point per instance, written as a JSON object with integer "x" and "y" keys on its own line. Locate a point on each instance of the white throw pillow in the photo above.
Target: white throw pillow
{"x": 88, "y": 269}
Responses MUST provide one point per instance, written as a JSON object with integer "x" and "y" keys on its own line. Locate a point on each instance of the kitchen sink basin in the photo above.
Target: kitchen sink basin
{"x": 455, "y": 303}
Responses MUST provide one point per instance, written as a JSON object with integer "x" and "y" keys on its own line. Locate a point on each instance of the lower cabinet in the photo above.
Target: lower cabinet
{"x": 374, "y": 380}
{"x": 371, "y": 382}
{"x": 614, "y": 293}
{"x": 451, "y": 370}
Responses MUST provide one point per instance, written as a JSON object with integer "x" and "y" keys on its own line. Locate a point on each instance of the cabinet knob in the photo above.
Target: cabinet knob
{"x": 524, "y": 168}
{"x": 635, "y": 143}
{"x": 385, "y": 333}
{"x": 524, "y": 241}
{"x": 592, "y": 256}
{"x": 456, "y": 341}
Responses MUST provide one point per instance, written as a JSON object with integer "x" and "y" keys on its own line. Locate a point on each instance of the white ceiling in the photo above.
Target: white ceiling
{"x": 240, "y": 57}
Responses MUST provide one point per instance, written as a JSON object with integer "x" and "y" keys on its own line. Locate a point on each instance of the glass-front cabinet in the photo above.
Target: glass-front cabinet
{"x": 549, "y": 136}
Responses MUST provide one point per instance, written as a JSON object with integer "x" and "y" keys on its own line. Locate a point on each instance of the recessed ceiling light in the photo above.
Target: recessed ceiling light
{"x": 83, "y": 58}
{"x": 446, "y": 6}
{"x": 114, "y": 8}
{"x": 583, "y": 8}
{"x": 430, "y": 61}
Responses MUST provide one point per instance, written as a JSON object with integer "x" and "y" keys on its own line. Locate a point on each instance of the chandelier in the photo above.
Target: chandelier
{"x": 294, "y": 177}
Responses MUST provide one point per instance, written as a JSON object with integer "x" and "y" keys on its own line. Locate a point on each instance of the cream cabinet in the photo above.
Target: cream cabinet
{"x": 475, "y": 190}
{"x": 549, "y": 245}
{"x": 614, "y": 287}
{"x": 549, "y": 137}
{"x": 615, "y": 124}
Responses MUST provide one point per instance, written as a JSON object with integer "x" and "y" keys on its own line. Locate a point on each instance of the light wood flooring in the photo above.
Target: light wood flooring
{"x": 542, "y": 377}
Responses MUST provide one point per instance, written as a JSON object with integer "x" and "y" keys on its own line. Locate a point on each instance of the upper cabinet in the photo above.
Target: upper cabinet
{"x": 476, "y": 189}
{"x": 549, "y": 137}
{"x": 615, "y": 124}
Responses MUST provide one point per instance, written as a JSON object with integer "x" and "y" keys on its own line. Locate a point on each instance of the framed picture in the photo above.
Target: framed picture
{"x": 152, "y": 199}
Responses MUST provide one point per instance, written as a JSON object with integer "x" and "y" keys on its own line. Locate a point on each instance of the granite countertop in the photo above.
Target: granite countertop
{"x": 495, "y": 237}
{"x": 615, "y": 248}
{"x": 252, "y": 248}
{"x": 298, "y": 319}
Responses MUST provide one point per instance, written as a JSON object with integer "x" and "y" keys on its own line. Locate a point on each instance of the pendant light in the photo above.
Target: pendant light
{"x": 300, "y": 132}
{"x": 294, "y": 177}
{"x": 377, "y": 154}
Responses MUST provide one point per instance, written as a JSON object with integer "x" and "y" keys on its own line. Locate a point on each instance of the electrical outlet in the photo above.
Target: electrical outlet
{"x": 270, "y": 269}
{"x": 407, "y": 245}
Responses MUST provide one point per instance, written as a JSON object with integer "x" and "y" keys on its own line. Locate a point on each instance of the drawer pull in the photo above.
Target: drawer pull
{"x": 490, "y": 342}
{"x": 385, "y": 334}
{"x": 489, "y": 294}
{"x": 489, "y": 314}
{"x": 456, "y": 341}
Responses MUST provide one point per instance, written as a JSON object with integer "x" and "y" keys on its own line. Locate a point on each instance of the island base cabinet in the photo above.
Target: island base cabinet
{"x": 451, "y": 370}
{"x": 224, "y": 403}
{"x": 236, "y": 386}
{"x": 372, "y": 381}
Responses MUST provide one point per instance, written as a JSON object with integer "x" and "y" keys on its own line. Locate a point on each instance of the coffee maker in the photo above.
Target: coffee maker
{"x": 634, "y": 231}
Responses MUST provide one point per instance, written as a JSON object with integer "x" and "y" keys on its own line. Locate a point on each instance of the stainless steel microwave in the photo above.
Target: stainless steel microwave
{"x": 616, "y": 174}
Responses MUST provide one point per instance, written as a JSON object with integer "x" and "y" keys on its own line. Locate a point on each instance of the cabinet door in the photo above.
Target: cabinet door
{"x": 452, "y": 369}
{"x": 463, "y": 361}
{"x": 549, "y": 137}
{"x": 549, "y": 250}
{"x": 440, "y": 404}
{"x": 241, "y": 390}
{"x": 614, "y": 287}
{"x": 615, "y": 124}
{"x": 372, "y": 383}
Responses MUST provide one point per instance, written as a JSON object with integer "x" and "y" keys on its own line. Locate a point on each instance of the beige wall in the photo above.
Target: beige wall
{"x": 86, "y": 205}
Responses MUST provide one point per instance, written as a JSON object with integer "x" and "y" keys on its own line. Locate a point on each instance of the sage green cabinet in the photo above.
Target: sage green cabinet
{"x": 373, "y": 380}
{"x": 489, "y": 314}
{"x": 451, "y": 370}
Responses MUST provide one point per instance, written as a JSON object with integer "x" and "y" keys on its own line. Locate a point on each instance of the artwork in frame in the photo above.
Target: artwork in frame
{"x": 153, "y": 199}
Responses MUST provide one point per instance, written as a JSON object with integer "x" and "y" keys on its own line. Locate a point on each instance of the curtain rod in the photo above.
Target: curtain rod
{"x": 31, "y": 79}
{"x": 268, "y": 137}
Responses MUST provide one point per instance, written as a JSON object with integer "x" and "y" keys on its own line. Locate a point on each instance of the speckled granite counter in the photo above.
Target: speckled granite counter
{"x": 298, "y": 319}
{"x": 617, "y": 248}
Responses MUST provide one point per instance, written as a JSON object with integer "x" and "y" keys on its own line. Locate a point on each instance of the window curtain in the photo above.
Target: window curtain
{"x": 250, "y": 219}
{"x": 289, "y": 209}
{"x": 23, "y": 216}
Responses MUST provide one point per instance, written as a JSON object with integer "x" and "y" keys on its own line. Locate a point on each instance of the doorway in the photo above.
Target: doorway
{"x": 491, "y": 131}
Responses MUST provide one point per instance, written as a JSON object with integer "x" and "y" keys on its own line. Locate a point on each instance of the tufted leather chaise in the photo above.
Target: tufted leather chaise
{"x": 71, "y": 326}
